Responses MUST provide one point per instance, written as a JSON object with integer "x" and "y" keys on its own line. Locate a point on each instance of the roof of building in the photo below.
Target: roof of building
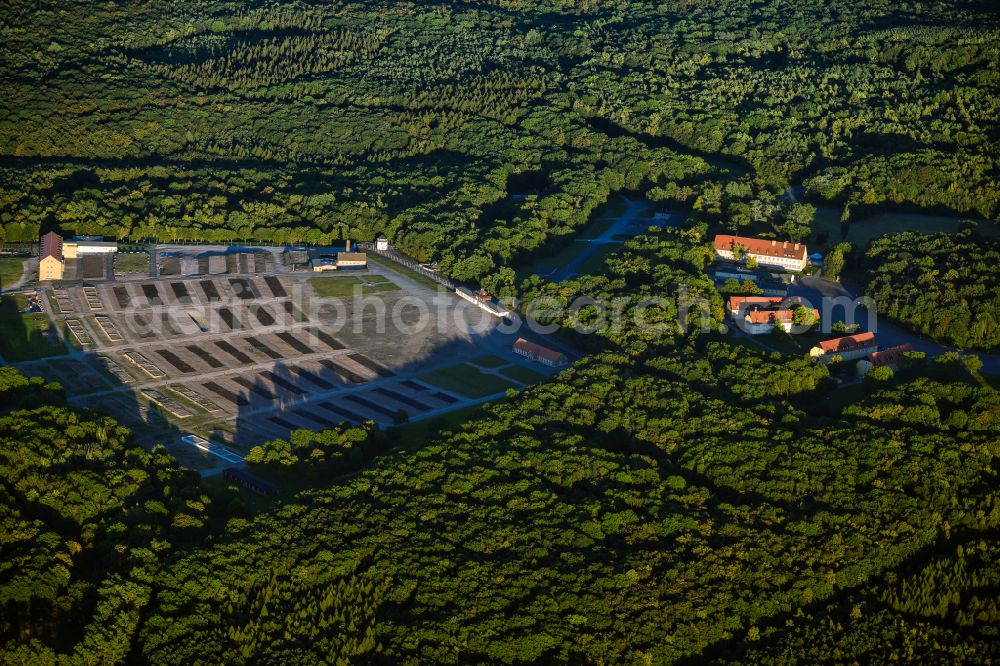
{"x": 736, "y": 302}
{"x": 768, "y": 316}
{"x": 762, "y": 246}
{"x": 889, "y": 356}
{"x": 381, "y": 237}
{"x": 816, "y": 255}
{"x": 352, "y": 256}
{"x": 848, "y": 343}
{"x": 92, "y": 241}
{"x": 538, "y": 350}
{"x": 243, "y": 476}
{"x": 52, "y": 246}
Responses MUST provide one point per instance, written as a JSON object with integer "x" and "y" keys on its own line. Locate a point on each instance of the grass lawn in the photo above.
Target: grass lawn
{"x": 380, "y": 287}
{"x": 467, "y": 380}
{"x": 795, "y": 345}
{"x": 596, "y": 228}
{"x": 844, "y": 397}
{"x": 346, "y": 286}
{"x": 422, "y": 280}
{"x": 862, "y": 231}
{"x": 546, "y": 264}
{"x": 11, "y": 269}
{"x": 131, "y": 262}
{"x": 595, "y": 264}
{"x": 23, "y": 337}
{"x": 416, "y": 434}
{"x": 614, "y": 208}
{"x": 489, "y": 361}
{"x": 524, "y": 375}
{"x": 377, "y": 283}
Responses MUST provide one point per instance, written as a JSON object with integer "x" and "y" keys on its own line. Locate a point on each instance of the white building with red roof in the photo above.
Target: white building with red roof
{"x": 890, "y": 357}
{"x": 739, "y": 304}
{"x": 758, "y": 322}
{"x": 848, "y": 347}
{"x": 543, "y": 355}
{"x": 779, "y": 254}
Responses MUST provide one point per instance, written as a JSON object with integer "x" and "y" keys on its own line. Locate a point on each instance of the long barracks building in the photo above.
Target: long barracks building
{"x": 781, "y": 254}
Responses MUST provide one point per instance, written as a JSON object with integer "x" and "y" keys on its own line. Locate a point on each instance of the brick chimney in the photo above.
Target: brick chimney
{"x": 347, "y": 247}
{"x": 773, "y": 243}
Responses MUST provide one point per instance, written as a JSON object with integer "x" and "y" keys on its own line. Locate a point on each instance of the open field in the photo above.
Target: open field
{"x": 467, "y": 380}
{"x": 603, "y": 218}
{"x": 416, "y": 434}
{"x": 546, "y": 264}
{"x": 489, "y": 361}
{"x": 585, "y": 253}
{"x": 422, "y": 280}
{"x": 346, "y": 286}
{"x": 132, "y": 262}
{"x": 24, "y": 337}
{"x": 861, "y": 231}
{"x": 11, "y": 269}
{"x": 522, "y": 374}
{"x": 595, "y": 262}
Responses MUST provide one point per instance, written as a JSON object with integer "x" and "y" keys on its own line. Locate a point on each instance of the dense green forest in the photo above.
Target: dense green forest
{"x": 87, "y": 518}
{"x": 310, "y": 121}
{"x": 675, "y": 495}
{"x": 944, "y": 286}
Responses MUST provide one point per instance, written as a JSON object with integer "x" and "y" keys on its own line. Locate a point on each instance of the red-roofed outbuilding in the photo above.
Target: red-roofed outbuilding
{"x": 763, "y": 321}
{"x": 887, "y": 357}
{"x": 539, "y": 353}
{"x": 848, "y": 347}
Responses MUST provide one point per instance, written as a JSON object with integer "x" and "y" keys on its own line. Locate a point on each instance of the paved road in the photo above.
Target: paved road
{"x": 889, "y": 334}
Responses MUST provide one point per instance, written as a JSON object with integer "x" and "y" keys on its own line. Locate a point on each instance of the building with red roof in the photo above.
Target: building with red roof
{"x": 744, "y": 303}
{"x": 779, "y": 254}
{"x": 848, "y": 347}
{"x": 51, "y": 263}
{"x": 758, "y": 322}
{"x": 543, "y": 355}
{"x": 890, "y": 357}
